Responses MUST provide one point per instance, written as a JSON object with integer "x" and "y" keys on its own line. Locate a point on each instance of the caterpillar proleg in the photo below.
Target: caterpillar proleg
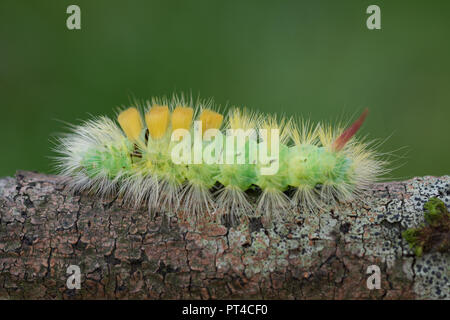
{"x": 186, "y": 157}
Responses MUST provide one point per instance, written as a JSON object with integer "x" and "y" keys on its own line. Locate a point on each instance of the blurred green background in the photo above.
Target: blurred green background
{"x": 312, "y": 58}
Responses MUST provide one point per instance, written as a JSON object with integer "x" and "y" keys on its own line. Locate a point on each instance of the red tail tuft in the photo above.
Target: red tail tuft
{"x": 340, "y": 142}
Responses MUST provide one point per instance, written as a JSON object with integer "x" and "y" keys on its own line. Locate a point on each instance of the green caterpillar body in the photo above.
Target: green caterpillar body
{"x": 316, "y": 166}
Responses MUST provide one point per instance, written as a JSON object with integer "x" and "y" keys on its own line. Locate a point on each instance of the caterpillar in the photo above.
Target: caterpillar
{"x": 154, "y": 155}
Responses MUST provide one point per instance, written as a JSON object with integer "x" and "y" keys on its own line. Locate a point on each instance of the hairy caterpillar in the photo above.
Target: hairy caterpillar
{"x": 316, "y": 165}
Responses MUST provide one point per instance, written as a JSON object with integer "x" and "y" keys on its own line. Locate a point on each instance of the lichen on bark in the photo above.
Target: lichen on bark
{"x": 124, "y": 253}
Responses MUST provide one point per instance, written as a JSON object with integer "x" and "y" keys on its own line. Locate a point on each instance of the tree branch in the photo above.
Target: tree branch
{"x": 125, "y": 253}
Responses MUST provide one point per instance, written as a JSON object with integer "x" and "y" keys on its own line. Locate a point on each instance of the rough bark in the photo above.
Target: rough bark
{"x": 124, "y": 253}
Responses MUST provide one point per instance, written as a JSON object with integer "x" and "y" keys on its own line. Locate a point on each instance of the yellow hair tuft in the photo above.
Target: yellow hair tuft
{"x": 302, "y": 132}
{"x": 242, "y": 119}
{"x": 282, "y": 124}
{"x": 182, "y": 118}
{"x": 327, "y": 134}
{"x": 131, "y": 123}
{"x": 210, "y": 119}
{"x": 157, "y": 120}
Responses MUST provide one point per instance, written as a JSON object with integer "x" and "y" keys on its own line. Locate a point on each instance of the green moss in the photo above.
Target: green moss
{"x": 435, "y": 210}
{"x": 412, "y": 237}
{"x": 433, "y": 236}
